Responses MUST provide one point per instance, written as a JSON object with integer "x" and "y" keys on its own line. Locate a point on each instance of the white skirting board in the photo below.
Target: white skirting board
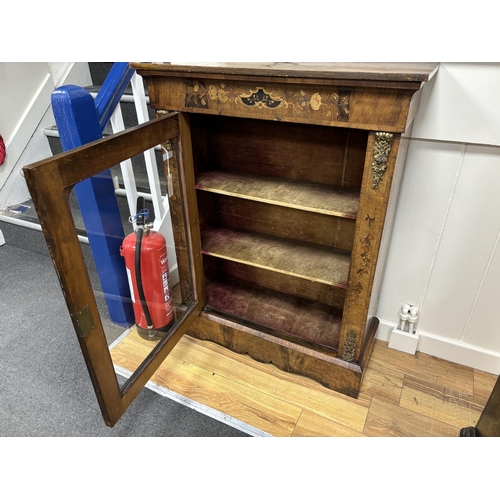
{"x": 450, "y": 350}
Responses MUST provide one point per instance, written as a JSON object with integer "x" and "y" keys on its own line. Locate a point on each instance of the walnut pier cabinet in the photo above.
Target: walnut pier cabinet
{"x": 293, "y": 165}
{"x": 284, "y": 181}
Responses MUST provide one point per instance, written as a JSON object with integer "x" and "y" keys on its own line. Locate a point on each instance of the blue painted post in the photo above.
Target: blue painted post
{"x": 78, "y": 124}
{"x": 111, "y": 91}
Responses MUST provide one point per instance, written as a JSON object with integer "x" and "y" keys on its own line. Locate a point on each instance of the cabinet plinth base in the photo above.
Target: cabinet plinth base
{"x": 326, "y": 368}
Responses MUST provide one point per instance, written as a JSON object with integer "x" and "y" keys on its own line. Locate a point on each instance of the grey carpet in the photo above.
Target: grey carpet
{"x": 45, "y": 389}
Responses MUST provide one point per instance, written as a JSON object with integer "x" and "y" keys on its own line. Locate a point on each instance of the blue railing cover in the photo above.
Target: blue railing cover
{"x": 111, "y": 91}
{"x": 79, "y": 122}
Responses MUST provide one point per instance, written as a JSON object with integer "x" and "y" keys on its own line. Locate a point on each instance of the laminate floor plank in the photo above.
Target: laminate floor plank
{"x": 483, "y": 384}
{"x": 336, "y": 407}
{"x": 388, "y": 420}
{"x": 239, "y": 401}
{"x": 262, "y": 369}
{"x": 382, "y": 382}
{"x": 440, "y": 403}
{"x": 312, "y": 425}
{"x": 439, "y": 371}
{"x": 271, "y": 415}
{"x": 401, "y": 395}
{"x": 130, "y": 352}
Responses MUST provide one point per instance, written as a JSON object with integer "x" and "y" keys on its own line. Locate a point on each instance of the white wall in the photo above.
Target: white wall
{"x": 24, "y": 93}
{"x": 25, "y": 90}
{"x": 443, "y": 255}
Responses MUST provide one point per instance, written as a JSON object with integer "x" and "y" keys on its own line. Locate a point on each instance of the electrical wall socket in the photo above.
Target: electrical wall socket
{"x": 404, "y": 341}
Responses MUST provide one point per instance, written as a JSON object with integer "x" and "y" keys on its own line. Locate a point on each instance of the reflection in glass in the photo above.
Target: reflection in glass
{"x": 157, "y": 299}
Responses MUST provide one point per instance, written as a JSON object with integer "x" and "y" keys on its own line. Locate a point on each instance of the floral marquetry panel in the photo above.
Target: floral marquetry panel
{"x": 332, "y": 105}
{"x": 303, "y": 103}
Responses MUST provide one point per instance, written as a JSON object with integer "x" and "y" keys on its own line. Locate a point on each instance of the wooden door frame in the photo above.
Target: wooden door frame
{"x": 50, "y": 183}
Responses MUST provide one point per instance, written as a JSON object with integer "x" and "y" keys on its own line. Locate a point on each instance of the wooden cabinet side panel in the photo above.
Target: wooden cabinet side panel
{"x": 186, "y": 226}
{"x": 389, "y": 222}
{"x": 367, "y": 238}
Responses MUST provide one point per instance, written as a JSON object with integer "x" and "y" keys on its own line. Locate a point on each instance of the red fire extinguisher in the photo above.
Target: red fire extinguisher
{"x": 146, "y": 262}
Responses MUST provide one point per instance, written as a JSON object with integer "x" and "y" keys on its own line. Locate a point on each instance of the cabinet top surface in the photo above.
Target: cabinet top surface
{"x": 383, "y": 72}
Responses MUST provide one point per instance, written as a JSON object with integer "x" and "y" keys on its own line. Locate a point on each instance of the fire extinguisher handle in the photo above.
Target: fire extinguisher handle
{"x": 140, "y": 217}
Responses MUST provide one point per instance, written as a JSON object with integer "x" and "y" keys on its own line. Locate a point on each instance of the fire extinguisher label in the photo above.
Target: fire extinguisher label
{"x": 130, "y": 284}
{"x": 165, "y": 278}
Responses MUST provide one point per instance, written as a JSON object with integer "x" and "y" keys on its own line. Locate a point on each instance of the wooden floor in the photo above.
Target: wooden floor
{"x": 402, "y": 395}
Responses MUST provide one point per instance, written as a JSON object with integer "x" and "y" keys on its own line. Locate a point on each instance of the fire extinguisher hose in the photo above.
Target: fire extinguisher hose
{"x": 138, "y": 276}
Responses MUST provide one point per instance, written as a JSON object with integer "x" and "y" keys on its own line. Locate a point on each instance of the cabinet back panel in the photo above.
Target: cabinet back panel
{"x": 318, "y": 292}
{"x": 310, "y": 322}
{"x": 326, "y": 155}
{"x": 285, "y": 222}
{"x": 205, "y": 209}
{"x": 312, "y": 262}
{"x": 211, "y": 267}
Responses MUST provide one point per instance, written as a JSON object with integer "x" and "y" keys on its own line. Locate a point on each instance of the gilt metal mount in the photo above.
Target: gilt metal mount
{"x": 381, "y": 150}
{"x": 349, "y": 350}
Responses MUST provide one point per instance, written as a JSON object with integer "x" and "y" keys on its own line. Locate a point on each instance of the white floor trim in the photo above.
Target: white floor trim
{"x": 119, "y": 339}
{"x": 449, "y": 350}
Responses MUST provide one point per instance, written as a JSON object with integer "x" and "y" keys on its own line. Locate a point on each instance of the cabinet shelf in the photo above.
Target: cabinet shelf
{"x": 311, "y": 322}
{"x": 308, "y": 196}
{"x": 311, "y": 262}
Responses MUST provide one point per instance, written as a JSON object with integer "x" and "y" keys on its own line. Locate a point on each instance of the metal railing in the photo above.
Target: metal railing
{"x": 162, "y": 221}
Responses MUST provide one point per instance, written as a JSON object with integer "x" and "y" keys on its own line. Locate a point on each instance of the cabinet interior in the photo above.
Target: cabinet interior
{"x": 277, "y": 204}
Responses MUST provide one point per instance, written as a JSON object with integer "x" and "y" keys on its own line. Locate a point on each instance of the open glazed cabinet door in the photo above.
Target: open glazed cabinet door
{"x": 50, "y": 183}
